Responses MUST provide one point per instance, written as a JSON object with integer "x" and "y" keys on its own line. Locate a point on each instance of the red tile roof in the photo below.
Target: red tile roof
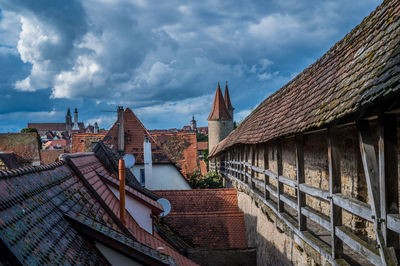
{"x": 24, "y": 145}
{"x": 57, "y": 143}
{"x": 206, "y": 217}
{"x": 227, "y": 99}
{"x": 181, "y": 148}
{"x": 39, "y": 209}
{"x": 359, "y": 72}
{"x": 52, "y": 126}
{"x": 90, "y": 166}
{"x": 50, "y": 156}
{"x": 219, "y": 111}
{"x": 82, "y": 142}
{"x": 202, "y": 145}
{"x": 135, "y": 133}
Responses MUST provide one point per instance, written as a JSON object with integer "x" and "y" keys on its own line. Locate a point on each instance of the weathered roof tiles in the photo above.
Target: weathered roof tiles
{"x": 361, "y": 70}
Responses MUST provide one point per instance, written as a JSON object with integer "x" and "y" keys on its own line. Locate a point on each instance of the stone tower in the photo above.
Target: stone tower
{"x": 68, "y": 122}
{"x": 76, "y": 126}
{"x": 220, "y": 121}
{"x": 193, "y": 124}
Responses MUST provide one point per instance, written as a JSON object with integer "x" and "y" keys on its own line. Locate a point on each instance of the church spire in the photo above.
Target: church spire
{"x": 219, "y": 111}
{"x": 227, "y": 100}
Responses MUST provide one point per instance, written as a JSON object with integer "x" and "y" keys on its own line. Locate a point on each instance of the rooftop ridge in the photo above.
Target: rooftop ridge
{"x": 29, "y": 169}
{"x": 357, "y": 72}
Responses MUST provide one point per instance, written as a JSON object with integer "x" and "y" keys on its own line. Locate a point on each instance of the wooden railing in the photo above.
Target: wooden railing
{"x": 239, "y": 170}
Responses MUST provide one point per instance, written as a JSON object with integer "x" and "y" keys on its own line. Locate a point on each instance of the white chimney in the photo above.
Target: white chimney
{"x": 148, "y": 164}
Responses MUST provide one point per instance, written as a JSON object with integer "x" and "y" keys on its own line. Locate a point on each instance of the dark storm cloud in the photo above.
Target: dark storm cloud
{"x": 161, "y": 56}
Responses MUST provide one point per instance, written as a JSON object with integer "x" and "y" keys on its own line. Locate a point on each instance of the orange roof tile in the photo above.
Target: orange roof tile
{"x": 206, "y": 217}
{"x": 135, "y": 133}
{"x": 90, "y": 166}
{"x": 218, "y": 111}
{"x": 82, "y": 142}
{"x": 24, "y": 145}
{"x": 50, "y": 156}
{"x": 181, "y": 148}
{"x": 202, "y": 145}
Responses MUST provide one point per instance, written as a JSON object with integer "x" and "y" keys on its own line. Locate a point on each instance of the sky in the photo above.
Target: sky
{"x": 162, "y": 59}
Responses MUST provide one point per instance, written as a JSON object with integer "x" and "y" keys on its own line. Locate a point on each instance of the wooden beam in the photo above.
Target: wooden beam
{"x": 371, "y": 170}
{"x": 253, "y": 149}
{"x": 335, "y": 186}
{"x": 353, "y": 206}
{"x": 266, "y": 167}
{"x": 301, "y": 197}
{"x": 315, "y": 192}
{"x": 388, "y": 175}
{"x": 279, "y": 165}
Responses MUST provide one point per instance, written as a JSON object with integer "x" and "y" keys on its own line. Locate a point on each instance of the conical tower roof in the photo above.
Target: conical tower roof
{"x": 219, "y": 111}
{"x": 227, "y": 99}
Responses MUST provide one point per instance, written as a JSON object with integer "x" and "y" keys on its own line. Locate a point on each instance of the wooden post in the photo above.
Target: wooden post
{"x": 335, "y": 186}
{"x": 371, "y": 170}
{"x": 266, "y": 167}
{"x": 301, "y": 197}
{"x": 252, "y": 159}
{"x": 121, "y": 168}
{"x": 280, "y": 172}
{"x": 388, "y": 175}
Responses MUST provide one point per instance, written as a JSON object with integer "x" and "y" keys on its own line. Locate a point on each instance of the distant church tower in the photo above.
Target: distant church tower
{"x": 68, "y": 122}
{"x": 193, "y": 124}
{"x": 76, "y": 126}
{"x": 220, "y": 119}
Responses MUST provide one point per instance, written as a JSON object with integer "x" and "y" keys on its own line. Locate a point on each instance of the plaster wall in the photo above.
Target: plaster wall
{"x": 138, "y": 211}
{"x": 164, "y": 177}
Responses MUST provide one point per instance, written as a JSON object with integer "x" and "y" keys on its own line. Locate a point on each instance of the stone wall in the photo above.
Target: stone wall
{"x": 217, "y": 131}
{"x": 276, "y": 244}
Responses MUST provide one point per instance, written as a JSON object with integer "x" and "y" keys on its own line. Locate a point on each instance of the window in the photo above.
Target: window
{"x": 142, "y": 178}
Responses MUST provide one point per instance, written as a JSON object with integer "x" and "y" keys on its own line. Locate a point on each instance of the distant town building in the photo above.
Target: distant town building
{"x": 220, "y": 120}
{"x": 62, "y": 133}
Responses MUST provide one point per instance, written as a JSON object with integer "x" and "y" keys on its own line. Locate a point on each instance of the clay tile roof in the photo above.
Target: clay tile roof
{"x": 202, "y": 145}
{"x": 135, "y": 133}
{"x": 359, "y": 72}
{"x": 227, "y": 99}
{"x": 181, "y": 148}
{"x": 93, "y": 172}
{"x": 10, "y": 160}
{"x": 82, "y": 142}
{"x": 50, "y": 156}
{"x": 24, "y": 145}
{"x": 208, "y": 218}
{"x": 52, "y": 126}
{"x": 32, "y": 225}
{"x": 219, "y": 111}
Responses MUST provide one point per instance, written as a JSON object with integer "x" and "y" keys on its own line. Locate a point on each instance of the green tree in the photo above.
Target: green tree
{"x": 205, "y": 154}
{"x": 29, "y": 130}
{"x": 201, "y": 137}
{"x": 210, "y": 180}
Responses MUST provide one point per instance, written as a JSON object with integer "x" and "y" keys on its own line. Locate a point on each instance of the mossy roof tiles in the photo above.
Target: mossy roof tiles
{"x": 359, "y": 71}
